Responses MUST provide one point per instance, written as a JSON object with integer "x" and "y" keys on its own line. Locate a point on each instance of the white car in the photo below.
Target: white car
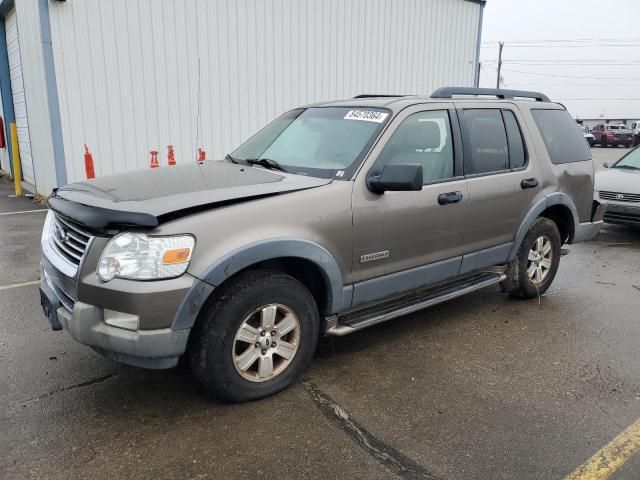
{"x": 619, "y": 188}
{"x": 588, "y": 136}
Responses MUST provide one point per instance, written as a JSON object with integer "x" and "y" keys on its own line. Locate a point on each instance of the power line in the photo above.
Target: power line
{"x": 574, "y": 40}
{"x": 572, "y": 85}
{"x": 569, "y": 61}
{"x": 601, "y": 99}
{"x": 569, "y": 76}
{"x": 592, "y": 45}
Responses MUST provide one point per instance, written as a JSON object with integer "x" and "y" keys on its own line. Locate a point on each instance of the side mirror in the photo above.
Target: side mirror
{"x": 606, "y": 165}
{"x": 397, "y": 178}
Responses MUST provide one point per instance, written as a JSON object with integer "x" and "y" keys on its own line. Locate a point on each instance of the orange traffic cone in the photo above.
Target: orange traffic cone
{"x": 154, "y": 159}
{"x": 88, "y": 163}
{"x": 171, "y": 159}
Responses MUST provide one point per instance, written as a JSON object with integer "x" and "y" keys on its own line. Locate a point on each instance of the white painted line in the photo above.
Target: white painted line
{"x": 17, "y": 285}
{"x": 25, "y": 211}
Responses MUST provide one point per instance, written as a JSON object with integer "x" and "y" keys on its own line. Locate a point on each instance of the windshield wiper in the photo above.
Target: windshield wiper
{"x": 230, "y": 158}
{"x": 631, "y": 167}
{"x": 265, "y": 162}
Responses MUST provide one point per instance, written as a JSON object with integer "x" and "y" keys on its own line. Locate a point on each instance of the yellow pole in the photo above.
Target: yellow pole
{"x": 17, "y": 170}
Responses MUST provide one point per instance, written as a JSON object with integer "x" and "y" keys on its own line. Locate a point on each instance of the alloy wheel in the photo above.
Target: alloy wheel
{"x": 539, "y": 260}
{"x": 266, "y": 342}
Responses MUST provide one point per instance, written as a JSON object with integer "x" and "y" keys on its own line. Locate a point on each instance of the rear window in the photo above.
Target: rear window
{"x": 563, "y": 140}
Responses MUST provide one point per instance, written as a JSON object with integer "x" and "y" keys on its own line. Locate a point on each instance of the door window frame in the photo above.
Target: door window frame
{"x": 466, "y": 140}
{"x": 399, "y": 118}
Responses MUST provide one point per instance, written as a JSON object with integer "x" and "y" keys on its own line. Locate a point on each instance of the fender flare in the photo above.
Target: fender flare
{"x": 254, "y": 253}
{"x": 556, "y": 198}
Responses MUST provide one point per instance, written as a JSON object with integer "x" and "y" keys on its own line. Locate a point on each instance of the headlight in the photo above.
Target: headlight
{"x": 137, "y": 256}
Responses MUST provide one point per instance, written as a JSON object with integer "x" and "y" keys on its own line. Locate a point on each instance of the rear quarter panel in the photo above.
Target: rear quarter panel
{"x": 576, "y": 179}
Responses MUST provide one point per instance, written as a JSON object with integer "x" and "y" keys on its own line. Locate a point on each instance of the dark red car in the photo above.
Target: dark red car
{"x": 605, "y": 135}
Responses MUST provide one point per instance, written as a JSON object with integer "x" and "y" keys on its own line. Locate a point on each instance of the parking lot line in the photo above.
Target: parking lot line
{"x": 17, "y": 285}
{"x": 24, "y": 211}
{"x": 611, "y": 457}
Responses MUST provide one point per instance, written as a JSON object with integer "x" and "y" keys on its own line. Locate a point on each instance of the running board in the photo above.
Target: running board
{"x": 363, "y": 317}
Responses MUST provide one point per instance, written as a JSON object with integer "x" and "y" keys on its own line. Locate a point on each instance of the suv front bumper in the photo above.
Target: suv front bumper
{"x": 160, "y": 348}
{"x": 156, "y": 348}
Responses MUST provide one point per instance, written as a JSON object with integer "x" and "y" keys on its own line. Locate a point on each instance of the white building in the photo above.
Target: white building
{"x": 129, "y": 76}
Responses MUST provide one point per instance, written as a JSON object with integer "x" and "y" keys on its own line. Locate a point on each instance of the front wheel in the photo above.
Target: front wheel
{"x": 256, "y": 337}
{"x": 530, "y": 274}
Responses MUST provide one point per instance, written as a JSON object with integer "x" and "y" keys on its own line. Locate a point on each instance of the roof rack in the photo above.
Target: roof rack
{"x": 449, "y": 92}
{"x": 373, "y": 95}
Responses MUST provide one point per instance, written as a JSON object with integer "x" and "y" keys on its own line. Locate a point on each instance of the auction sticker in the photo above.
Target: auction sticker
{"x": 366, "y": 115}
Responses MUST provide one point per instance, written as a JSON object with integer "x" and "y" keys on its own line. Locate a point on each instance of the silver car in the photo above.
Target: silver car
{"x": 619, "y": 188}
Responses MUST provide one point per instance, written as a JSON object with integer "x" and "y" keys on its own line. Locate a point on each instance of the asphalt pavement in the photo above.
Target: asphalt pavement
{"x": 483, "y": 387}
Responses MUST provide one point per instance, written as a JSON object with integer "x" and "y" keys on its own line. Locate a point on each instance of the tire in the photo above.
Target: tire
{"x": 518, "y": 282}
{"x": 216, "y": 353}
{"x": 627, "y": 145}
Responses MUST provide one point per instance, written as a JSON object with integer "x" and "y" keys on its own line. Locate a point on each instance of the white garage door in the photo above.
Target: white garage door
{"x": 17, "y": 88}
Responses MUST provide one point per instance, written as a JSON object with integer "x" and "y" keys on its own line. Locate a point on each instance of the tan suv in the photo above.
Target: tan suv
{"x": 334, "y": 217}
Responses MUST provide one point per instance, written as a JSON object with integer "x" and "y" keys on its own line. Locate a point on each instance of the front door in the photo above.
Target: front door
{"x": 404, "y": 240}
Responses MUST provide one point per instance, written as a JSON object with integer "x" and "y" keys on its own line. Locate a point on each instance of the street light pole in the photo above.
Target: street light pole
{"x": 500, "y": 46}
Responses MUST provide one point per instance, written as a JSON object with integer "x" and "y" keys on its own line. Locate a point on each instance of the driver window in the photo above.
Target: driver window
{"x": 423, "y": 138}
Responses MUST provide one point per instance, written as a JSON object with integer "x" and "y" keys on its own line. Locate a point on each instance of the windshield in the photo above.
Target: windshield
{"x": 584, "y": 129}
{"x": 631, "y": 160}
{"x": 327, "y": 142}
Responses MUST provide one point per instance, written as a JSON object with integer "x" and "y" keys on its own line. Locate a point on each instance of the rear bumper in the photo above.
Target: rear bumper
{"x": 588, "y": 230}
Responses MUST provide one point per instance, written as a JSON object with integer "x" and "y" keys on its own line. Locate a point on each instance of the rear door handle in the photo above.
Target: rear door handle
{"x": 529, "y": 183}
{"x": 449, "y": 197}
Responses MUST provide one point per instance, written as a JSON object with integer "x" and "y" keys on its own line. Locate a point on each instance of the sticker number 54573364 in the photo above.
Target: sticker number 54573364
{"x": 366, "y": 115}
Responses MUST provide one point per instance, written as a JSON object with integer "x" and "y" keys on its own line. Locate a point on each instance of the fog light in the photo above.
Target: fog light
{"x": 121, "y": 320}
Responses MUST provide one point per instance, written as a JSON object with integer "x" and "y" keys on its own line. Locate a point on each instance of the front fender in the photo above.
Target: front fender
{"x": 234, "y": 262}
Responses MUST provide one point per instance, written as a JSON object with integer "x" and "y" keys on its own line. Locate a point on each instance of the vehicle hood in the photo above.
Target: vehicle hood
{"x": 146, "y": 198}
{"x": 618, "y": 180}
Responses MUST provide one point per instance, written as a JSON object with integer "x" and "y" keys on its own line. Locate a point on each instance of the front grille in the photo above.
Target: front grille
{"x": 620, "y": 197}
{"x": 624, "y": 218}
{"x": 69, "y": 239}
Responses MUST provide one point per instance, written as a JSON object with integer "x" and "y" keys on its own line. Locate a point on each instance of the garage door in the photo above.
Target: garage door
{"x": 19, "y": 104}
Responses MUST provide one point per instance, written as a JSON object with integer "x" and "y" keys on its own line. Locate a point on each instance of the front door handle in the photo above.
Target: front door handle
{"x": 529, "y": 183}
{"x": 449, "y": 197}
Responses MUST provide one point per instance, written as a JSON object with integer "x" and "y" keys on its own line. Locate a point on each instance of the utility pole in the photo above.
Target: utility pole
{"x": 500, "y": 46}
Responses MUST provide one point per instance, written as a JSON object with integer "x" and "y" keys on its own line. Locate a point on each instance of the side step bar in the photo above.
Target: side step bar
{"x": 363, "y": 317}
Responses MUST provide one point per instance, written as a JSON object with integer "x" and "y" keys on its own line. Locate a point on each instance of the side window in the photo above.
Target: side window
{"x": 517, "y": 156}
{"x": 487, "y": 141}
{"x": 564, "y": 143}
{"x": 423, "y": 138}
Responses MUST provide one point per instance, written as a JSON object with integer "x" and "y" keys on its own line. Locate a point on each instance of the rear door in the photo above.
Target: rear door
{"x": 502, "y": 183}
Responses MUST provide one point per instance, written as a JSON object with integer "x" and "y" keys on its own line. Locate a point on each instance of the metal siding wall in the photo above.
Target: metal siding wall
{"x": 35, "y": 94}
{"x": 132, "y": 76}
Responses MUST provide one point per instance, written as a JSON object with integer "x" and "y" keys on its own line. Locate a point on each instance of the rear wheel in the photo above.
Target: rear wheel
{"x": 256, "y": 337}
{"x": 603, "y": 143}
{"x": 534, "y": 268}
